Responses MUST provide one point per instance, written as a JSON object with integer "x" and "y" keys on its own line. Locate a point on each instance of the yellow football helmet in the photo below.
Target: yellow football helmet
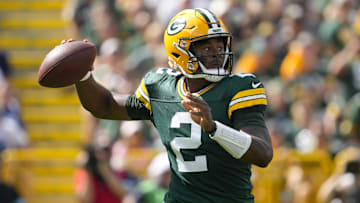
{"x": 187, "y": 27}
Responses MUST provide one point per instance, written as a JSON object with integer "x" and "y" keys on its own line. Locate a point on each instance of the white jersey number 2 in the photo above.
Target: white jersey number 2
{"x": 192, "y": 142}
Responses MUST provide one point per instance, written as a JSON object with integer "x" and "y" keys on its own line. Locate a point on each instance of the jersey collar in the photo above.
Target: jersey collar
{"x": 182, "y": 89}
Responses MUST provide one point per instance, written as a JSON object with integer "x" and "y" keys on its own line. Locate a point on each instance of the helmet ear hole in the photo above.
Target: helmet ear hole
{"x": 175, "y": 54}
{"x": 191, "y": 67}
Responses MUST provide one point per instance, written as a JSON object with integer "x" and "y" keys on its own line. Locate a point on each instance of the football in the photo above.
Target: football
{"x": 66, "y": 64}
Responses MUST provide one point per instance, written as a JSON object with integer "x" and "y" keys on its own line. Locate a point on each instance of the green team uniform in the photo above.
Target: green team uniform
{"x": 201, "y": 170}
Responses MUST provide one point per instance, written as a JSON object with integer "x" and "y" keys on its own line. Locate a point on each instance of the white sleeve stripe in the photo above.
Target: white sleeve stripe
{"x": 143, "y": 94}
{"x": 247, "y": 98}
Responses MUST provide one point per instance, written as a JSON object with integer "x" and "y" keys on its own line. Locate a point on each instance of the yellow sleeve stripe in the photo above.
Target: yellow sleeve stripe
{"x": 143, "y": 87}
{"x": 141, "y": 98}
{"x": 142, "y": 95}
{"x": 250, "y": 92}
{"x": 245, "y": 104}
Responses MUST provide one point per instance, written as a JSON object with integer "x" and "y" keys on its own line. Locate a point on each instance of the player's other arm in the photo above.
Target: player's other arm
{"x": 246, "y": 111}
{"x": 248, "y": 140}
{"x": 260, "y": 151}
{"x": 250, "y": 143}
{"x": 100, "y": 101}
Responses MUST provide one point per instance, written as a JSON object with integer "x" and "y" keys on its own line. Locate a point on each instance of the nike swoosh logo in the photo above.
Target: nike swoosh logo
{"x": 255, "y": 85}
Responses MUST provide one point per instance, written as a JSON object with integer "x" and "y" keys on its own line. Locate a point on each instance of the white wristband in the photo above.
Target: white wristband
{"x": 87, "y": 76}
{"x": 234, "y": 142}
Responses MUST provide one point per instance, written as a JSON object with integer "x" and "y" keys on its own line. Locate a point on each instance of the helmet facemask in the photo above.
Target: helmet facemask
{"x": 196, "y": 63}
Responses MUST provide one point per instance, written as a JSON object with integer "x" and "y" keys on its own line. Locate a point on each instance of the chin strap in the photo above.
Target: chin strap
{"x": 234, "y": 142}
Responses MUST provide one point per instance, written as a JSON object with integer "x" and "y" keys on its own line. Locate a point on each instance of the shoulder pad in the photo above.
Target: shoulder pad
{"x": 159, "y": 74}
{"x": 150, "y": 78}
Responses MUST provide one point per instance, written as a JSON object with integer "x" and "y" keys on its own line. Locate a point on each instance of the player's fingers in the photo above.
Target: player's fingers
{"x": 197, "y": 113}
{"x": 195, "y": 98}
{"x": 195, "y": 110}
{"x": 65, "y": 41}
{"x": 197, "y": 105}
{"x": 203, "y": 106}
{"x": 186, "y": 105}
{"x": 194, "y": 105}
{"x": 192, "y": 98}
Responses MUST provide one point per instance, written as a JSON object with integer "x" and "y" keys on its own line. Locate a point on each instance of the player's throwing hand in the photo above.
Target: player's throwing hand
{"x": 199, "y": 111}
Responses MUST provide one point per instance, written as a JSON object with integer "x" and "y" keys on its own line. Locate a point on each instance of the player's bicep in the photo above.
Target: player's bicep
{"x": 249, "y": 117}
{"x": 260, "y": 151}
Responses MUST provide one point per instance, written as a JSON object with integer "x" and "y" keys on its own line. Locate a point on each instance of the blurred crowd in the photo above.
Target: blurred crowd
{"x": 307, "y": 54}
{"x": 12, "y": 129}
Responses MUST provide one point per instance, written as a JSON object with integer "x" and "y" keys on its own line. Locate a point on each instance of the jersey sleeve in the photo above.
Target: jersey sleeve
{"x": 240, "y": 120}
{"x": 142, "y": 96}
{"x": 248, "y": 96}
{"x": 136, "y": 109}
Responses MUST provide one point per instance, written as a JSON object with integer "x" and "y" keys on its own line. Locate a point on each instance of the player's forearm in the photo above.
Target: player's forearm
{"x": 260, "y": 152}
{"x": 251, "y": 144}
{"x": 99, "y": 101}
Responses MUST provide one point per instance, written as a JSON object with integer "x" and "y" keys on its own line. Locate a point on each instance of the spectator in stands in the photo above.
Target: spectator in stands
{"x": 8, "y": 193}
{"x": 345, "y": 66}
{"x": 12, "y": 130}
{"x": 345, "y": 178}
{"x": 347, "y": 187}
{"x": 93, "y": 20}
{"x": 76, "y": 13}
{"x": 95, "y": 181}
{"x": 343, "y": 188}
{"x": 132, "y": 137}
{"x": 5, "y": 68}
{"x": 153, "y": 189}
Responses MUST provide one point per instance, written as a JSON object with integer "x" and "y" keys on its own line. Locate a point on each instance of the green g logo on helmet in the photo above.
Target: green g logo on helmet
{"x": 176, "y": 26}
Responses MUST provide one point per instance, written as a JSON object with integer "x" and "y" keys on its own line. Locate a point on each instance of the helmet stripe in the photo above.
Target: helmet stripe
{"x": 214, "y": 16}
{"x": 205, "y": 16}
{"x": 209, "y": 17}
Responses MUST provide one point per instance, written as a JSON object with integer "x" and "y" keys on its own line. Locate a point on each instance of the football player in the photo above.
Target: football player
{"x": 210, "y": 121}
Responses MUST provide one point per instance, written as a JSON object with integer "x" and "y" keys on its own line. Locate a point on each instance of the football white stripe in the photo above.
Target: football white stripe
{"x": 247, "y": 98}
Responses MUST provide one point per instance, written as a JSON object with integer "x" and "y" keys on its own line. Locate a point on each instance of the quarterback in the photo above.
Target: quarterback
{"x": 210, "y": 120}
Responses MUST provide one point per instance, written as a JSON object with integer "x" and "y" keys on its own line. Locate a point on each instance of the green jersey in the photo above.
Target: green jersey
{"x": 201, "y": 170}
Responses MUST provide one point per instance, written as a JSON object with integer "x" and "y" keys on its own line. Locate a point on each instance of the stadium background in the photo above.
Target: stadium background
{"x": 291, "y": 45}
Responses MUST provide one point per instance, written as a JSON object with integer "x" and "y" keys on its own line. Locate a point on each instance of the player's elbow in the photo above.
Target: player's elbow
{"x": 99, "y": 114}
{"x": 94, "y": 111}
{"x": 265, "y": 159}
{"x": 96, "y": 114}
{"x": 100, "y": 108}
